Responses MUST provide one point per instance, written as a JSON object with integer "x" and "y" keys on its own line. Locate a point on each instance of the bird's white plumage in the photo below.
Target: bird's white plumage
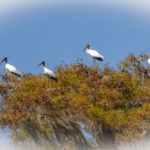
{"x": 94, "y": 53}
{"x": 49, "y": 72}
{"x": 148, "y": 61}
{"x": 12, "y": 69}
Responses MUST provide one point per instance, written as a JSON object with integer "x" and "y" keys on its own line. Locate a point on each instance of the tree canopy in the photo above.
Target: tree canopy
{"x": 112, "y": 104}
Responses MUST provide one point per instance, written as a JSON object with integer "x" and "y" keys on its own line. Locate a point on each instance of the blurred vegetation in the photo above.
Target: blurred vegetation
{"x": 113, "y": 105}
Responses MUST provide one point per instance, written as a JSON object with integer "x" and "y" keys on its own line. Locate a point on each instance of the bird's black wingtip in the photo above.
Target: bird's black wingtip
{"x": 16, "y": 74}
{"x": 99, "y": 58}
{"x": 53, "y": 78}
{"x": 56, "y": 79}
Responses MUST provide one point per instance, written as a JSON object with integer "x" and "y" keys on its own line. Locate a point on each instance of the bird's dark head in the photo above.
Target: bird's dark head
{"x": 87, "y": 47}
{"x": 5, "y": 59}
{"x": 42, "y": 63}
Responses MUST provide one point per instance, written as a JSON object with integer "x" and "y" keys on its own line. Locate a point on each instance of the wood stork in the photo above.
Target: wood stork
{"x": 93, "y": 53}
{"x": 48, "y": 73}
{"x": 11, "y": 68}
{"x": 148, "y": 62}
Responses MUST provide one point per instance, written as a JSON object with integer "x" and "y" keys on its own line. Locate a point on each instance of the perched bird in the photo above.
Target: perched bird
{"x": 48, "y": 73}
{"x": 148, "y": 68}
{"x": 11, "y": 68}
{"x": 93, "y": 53}
{"x": 148, "y": 61}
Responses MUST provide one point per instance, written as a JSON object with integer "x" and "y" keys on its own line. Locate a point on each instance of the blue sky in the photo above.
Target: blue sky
{"x": 59, "y": 32}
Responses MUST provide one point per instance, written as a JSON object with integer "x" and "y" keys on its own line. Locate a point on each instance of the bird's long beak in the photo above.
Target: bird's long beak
{"x": 85, "y": 48}
{"x": 39, "y": 64}
{"x": 2, "y": 61}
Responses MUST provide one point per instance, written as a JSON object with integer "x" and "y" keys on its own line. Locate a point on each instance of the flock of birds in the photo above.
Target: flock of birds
{"x": 50, "y": 74}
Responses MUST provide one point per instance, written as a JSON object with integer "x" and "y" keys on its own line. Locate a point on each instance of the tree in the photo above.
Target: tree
{"x": 112, "y": 105}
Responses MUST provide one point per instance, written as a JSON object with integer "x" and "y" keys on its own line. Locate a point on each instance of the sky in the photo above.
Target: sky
{"x": 57, "y": 31}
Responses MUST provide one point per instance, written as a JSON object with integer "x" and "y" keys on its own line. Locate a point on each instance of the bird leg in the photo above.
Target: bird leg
{"x": 94, "y": 62}
{"x": 50, "y": 84}
{"x": 148, "y": 71}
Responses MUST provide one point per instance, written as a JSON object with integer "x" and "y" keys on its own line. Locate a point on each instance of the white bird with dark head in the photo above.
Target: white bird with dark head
{"x": 148, "y": 68}
{"x": 93, "y": 53}
{"x": 11, "y": 68}
{"x": 48, "y": 73}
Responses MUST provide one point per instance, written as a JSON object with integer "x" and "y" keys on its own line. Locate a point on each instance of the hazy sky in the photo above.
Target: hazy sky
{"x": 9, "y": 5}
{"x": 56, "y": 31}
